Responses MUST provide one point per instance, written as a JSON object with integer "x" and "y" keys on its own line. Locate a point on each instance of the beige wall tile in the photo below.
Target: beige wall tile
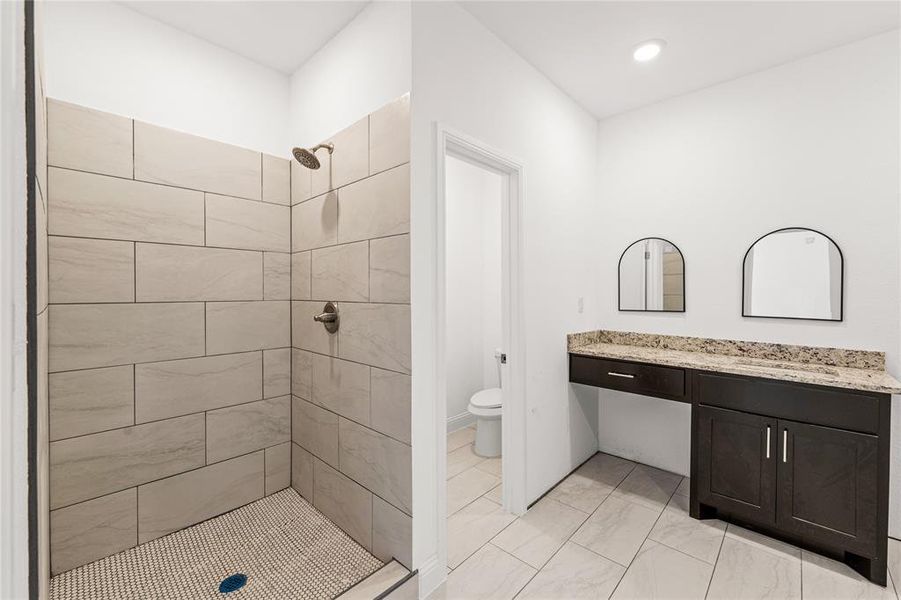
{"x": 389, "y": 135}
{"x": 301, "y": 183}
{"x": 276, "y": 180}
{"x": 376, "y": 334}
{"x": 183, "y": 273}
{"x": 346, "y": 503}
{"x": 314, "y": 223}
{"x": 170, "y": 504}
{"x": 315, "y": 429}
{"x": 321, "y": 179}
{"x": 375, "y": 207}
{"x": 389, "y": 269}
{"x": 302, "y": 471}
{"x": 42, "y": 249}
{"x": 240, "y": 429}
{"x": 88, "y": 140}
{"x": 83, "y": 336}
{"x": 391, "y": 407}
{"x": 83, "y": 402}
{"x": 302, "y": 373}
{"x": 239, "y": 223}
{"x": 278, "y": 467}
{"x": 301, "y": 275}
{"x": 42, "y": 453}
{"x": 88, "y": 205}
{"x": 83, "y": 270}
{"x": 341, "y": 273}
{"x": 94, "y": 465}
{"x": 341, "y": 387}
{"x": 92, "y": 530}
{"x": 276, "y": 372}
{"x": 184, "y": 160}
{"x": 276, "y": 276}
{"x": 392, "y": 533}
{"x": 350, "y": 160}
{"x": 41, "y": 141}
{"x": 307, "y": 333}
{"x": 181, "y": 387}
{"x": 378, "y": 462}
{"x": 239, "y": 326}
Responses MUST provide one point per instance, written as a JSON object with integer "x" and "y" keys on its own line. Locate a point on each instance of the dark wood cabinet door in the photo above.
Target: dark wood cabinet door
{"x": 737, "y": 463}
{"x": 828, "y": 485}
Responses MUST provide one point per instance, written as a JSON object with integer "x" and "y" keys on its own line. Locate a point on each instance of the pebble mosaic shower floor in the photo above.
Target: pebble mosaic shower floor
{"x": 286, "y": 548}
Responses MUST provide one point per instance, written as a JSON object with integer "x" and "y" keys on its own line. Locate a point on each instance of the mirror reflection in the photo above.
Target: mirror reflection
{"x": 652, "y": 277}
{"x": 793, "y": 273}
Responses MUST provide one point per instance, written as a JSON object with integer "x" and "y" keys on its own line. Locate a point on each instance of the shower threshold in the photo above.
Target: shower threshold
{"x": 285, "y": 548}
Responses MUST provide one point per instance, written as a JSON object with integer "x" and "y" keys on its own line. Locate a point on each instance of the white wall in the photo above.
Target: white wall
{"x": 106, "y": 56}
{"x": 473, "y": 272}
{"x": 468, "y": 79}
{"x": 810, "y": 143}
{"x": 364, "y": 67}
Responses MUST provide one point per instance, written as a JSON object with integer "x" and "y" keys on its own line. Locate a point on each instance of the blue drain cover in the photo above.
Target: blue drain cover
{"x": 232, "y": 583}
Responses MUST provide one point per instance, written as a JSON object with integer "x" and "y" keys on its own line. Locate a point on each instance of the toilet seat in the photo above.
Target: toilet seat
{"x": 488, "y": 398}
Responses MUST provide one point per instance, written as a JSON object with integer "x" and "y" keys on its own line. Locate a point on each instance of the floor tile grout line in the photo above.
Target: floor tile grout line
{"x": 468, "y": 556}
{"x": 716, "y": 561}
{"x": 894, "y": 585}
{"x": 631, "y": 562}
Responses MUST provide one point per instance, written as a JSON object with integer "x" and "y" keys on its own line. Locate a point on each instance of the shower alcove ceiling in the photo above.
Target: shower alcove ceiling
{"x": 186, "y": 376}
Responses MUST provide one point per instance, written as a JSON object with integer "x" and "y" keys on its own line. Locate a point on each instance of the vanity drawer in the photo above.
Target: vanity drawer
{"x": 832, "y": 407}
{"x": 650, "y": 380}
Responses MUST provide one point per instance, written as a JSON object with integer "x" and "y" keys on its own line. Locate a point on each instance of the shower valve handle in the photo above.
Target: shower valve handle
{"x": 328, "y": 317}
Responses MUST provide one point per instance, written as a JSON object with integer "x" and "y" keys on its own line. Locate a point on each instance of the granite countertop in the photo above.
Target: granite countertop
{"x": 850, "y": 369}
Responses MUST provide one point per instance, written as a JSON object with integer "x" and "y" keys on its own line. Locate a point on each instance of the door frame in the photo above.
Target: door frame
{"x": 449, "y": 142}
{"x": 18, "y": 544}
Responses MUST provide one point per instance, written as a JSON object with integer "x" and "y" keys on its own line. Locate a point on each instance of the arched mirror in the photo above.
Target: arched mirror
{"x": 652, "y": 277}
{"x": 793, "y": 273}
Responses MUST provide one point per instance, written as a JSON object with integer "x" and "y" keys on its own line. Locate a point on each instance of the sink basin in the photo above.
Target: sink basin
{"x": 768, "y": 364}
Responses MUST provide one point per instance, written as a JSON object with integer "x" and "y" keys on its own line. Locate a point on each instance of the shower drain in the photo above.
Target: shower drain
{"x": 232, "y": 583}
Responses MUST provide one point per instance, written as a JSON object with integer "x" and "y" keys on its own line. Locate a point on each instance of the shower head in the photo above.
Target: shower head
{"x": 307, "y": 157}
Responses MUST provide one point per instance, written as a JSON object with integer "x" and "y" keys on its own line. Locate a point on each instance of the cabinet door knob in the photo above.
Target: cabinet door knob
{"x": 768, "y": 441}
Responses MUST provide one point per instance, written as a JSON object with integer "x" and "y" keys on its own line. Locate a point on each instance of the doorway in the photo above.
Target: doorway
{"x": 477, "y": 267}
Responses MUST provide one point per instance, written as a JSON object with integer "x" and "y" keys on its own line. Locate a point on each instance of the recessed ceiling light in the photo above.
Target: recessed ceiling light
{"x": 648, "y": 50}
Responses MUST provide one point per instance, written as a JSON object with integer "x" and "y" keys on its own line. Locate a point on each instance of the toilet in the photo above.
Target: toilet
{"x": 487, "y": 406}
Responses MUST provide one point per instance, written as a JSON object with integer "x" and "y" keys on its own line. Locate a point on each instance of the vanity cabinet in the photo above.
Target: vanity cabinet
{"x": 801, "y": 462}
{"x": 810, "y": 481}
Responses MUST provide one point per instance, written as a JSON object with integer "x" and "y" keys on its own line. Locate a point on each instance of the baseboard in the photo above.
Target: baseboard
{"x": 431, "y": 576}
{"x": 464, "y": 419}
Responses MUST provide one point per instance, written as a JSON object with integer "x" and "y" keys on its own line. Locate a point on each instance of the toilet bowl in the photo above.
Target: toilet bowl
{"x": 486, "y": 406}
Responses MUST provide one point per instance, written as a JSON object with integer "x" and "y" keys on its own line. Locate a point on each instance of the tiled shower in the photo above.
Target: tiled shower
{"x": 351, "y": 453}
{"x": 186, "y": 375}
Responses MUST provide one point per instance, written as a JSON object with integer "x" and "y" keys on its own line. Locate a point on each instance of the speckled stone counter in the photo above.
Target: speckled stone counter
{"x": 850, "y": 369}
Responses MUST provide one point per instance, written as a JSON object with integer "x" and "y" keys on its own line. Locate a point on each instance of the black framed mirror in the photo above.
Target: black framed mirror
{"x": 652, "y": 277}
{"x": 793, "y": 273}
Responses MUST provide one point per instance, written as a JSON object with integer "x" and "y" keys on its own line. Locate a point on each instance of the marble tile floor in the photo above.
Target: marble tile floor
{"x": 285, "y": 547}
{"x": 618, "y": 529}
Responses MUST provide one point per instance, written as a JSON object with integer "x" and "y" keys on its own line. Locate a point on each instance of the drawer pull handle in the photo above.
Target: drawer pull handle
{"x": 768, "y": 441}
{"x": 623, "y": 375}
{"x": 785, "y": 445}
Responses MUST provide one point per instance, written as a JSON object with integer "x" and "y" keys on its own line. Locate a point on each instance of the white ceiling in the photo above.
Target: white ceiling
{"x": 586, "y": 47}
{"x": 278, "y": 34}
